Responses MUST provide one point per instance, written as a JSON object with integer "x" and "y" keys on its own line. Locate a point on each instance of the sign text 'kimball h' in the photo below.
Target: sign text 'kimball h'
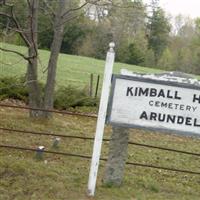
{"x": 155, "y": 104}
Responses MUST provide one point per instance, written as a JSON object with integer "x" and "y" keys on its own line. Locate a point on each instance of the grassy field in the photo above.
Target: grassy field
{"x": 65, "y": 178}
{"x": 73, "y": 70}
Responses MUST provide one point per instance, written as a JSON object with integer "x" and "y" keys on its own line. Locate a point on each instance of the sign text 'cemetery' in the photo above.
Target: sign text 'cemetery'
{"x": 155, "y": 104}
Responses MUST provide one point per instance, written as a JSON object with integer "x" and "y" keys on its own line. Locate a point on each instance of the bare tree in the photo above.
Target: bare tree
{"x": 32, "y": 68}
{"x": 65, "y": 11}
{"x": 29, "y": 36}
{"x": 58, "y": 28}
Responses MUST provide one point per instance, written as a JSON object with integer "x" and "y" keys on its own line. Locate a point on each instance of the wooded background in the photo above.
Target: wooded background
{"x": 144, "y": 35}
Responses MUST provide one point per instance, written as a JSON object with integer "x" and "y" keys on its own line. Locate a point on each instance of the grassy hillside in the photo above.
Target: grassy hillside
{"x": 74, "y": 70}
{"x": 58, "y": 177}
{"x": 65, "y": 178}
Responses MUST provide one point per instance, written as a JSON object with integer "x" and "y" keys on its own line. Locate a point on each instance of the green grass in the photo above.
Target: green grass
{"x": 65, "y": 178}
{"x": 74, "y": 70}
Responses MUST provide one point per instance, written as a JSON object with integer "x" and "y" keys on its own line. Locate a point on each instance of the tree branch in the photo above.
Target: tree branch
{"x": 18, "y": 53}
{"x": 74, "y": 9}
{"x": 13, "y": 29}
{"x": 5, "y": 15}
{"x": 46, "y": 13}
{"x": 49, "y": 8}
{"x": 19, "y": 29}
{"x": 24, "y": 37}
{"x": 67, "y": 19}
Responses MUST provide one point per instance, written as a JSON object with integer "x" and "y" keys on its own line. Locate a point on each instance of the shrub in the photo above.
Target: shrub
{"x": 14, "y": 88}
{"x": 70, "y": 96}
{"x": 65, "y": 97}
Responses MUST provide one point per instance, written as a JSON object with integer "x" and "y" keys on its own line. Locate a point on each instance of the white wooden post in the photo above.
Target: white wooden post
{"x": 101, "y": 119}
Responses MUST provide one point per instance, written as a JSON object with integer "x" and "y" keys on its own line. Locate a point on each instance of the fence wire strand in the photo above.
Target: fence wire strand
{"x": 88, "y": 138}
{"x": 103, "y": 159}
{"x": 91, "y": 138}
{"x": 49, "y": 110}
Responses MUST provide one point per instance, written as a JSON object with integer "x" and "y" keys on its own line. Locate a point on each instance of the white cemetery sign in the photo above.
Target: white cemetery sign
{"x": 155, "y": 104}
{"x": 145, "y": 101}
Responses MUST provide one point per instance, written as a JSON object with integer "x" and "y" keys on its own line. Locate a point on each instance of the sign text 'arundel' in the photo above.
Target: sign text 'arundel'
{"x": 162, "y": 93}
{"x": 155, "y": 105}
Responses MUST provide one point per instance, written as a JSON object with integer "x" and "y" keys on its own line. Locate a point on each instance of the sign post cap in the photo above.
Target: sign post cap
{"x": 112, "y": 46}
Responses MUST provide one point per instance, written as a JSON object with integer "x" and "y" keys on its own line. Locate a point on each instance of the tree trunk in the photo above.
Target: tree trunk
{"x": 55, "y": 50}
{"x": 32, "y": 79}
